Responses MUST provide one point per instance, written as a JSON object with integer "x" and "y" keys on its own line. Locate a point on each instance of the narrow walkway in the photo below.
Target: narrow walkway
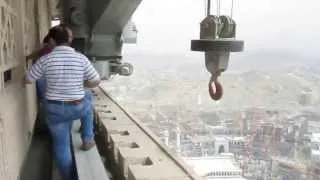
{"x": 89, "y": 163}
{"x": 38, "y": 165}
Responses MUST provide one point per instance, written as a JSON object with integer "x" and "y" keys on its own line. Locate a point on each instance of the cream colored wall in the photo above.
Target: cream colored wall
{"x": 19, "y": 35}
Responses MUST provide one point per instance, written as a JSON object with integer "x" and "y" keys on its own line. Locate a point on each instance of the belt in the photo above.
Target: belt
{"x": 74, "y": 102}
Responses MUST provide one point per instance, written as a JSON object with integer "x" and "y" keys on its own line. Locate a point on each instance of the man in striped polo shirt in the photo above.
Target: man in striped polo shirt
{"x": 87, "y": 123}
{"x": 67, "y": 72}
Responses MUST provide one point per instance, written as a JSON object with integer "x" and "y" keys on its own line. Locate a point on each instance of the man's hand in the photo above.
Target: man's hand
{"x": 91, "y": 84}
{"x": 30, "y": 57}
{"x": 25, "y": 81}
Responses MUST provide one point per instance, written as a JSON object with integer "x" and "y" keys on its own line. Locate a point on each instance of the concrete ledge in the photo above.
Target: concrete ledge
{"x": 138, "y": 140}
{"x": 132, "y": 150}
{"x": 129, "y": 156}
{"x": 55, "y": 172}
{"x": 156, "y": 172}
{"x": 89, "y": 163}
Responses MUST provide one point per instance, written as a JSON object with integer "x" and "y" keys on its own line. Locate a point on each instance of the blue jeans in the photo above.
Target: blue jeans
{"x": 86, "y": 121}
{"x": 87, "y": 124}
{"x": 59, "y": 118}
{"x": 41, "y": 88}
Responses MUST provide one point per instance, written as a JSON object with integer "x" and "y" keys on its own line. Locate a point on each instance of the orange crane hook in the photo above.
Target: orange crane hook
{"x": 215, "y": 90}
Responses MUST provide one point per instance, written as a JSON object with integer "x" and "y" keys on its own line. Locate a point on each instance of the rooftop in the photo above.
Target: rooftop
{"x": 219, "y": 163}
{"x": 226, "y": 178}
{"x": 315, "y": 137}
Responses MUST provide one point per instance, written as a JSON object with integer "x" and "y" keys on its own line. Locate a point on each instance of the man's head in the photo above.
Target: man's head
{"x": 48, "y": 40}
{"x": 61, "y": 34}
{"x": 70, "y": 34}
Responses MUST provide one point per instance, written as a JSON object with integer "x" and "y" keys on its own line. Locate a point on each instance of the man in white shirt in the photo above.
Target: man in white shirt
{"x": 67, "y": 72}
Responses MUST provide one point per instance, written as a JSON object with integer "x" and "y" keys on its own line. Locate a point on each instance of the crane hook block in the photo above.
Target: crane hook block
{"x": 217, "y": 41}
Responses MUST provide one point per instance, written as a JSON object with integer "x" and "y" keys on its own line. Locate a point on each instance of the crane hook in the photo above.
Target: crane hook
{"x": 215, "y": 87}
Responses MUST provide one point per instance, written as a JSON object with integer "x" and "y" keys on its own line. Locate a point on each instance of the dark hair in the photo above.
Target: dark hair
{"x": 59, "y": 34}
{"x": 46, "y": 39}
{"x": 64, "y": 26}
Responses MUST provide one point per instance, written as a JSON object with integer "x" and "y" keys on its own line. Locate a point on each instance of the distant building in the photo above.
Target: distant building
{"x": 305, "y": 98}
{"x": 267, "y": 130}
{"x": 277, "y": 134}
{"x": 286, "y": 169}
{"x": 221, "y": 145}
{"x": 271, "y": 132}
{"x": 237, "y": 146}
{"x": 315, "y": 147}
{"x": 243, "y": 124}
{"x": 217, "y": 167}
{"x": 219, "y": 130}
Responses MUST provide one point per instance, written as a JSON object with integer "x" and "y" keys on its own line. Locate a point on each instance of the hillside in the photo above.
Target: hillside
{"x": 182, "y": 81}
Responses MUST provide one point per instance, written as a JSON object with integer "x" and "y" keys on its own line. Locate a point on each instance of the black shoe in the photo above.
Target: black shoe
{"x": 88, "y": 145}
{"x": 80, "y": 129}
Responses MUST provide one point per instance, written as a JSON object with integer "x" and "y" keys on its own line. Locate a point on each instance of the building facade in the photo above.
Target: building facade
{"x": 23, "y": 24}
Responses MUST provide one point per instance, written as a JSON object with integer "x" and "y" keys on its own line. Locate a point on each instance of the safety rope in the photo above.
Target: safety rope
{"x": 205, "y": 8}
{"x": 208, "y": 9}
{"x": 232, "y": 5}
{"x": 218, "y": 7}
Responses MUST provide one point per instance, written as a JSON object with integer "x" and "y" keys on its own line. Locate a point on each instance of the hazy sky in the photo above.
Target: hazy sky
{"x": 167, "y": 26}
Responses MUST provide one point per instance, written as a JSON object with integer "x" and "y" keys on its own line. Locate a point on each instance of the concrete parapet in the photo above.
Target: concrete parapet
{"x": 156, "y": 172}
{"x": 131, "y": 150}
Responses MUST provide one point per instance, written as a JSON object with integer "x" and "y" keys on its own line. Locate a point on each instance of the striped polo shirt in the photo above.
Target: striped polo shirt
{"x": 65, "y": 70}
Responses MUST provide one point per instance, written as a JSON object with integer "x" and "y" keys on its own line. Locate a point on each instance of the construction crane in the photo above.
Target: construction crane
{"x": 89, "y": 19}
{"x": 104, "y": 45}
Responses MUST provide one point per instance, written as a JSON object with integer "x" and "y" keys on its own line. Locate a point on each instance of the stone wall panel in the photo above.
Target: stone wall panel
{"x": 19, "y": 35}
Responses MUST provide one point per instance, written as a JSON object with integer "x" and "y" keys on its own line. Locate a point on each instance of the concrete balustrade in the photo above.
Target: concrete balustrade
{"x": 131, "y": 150}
